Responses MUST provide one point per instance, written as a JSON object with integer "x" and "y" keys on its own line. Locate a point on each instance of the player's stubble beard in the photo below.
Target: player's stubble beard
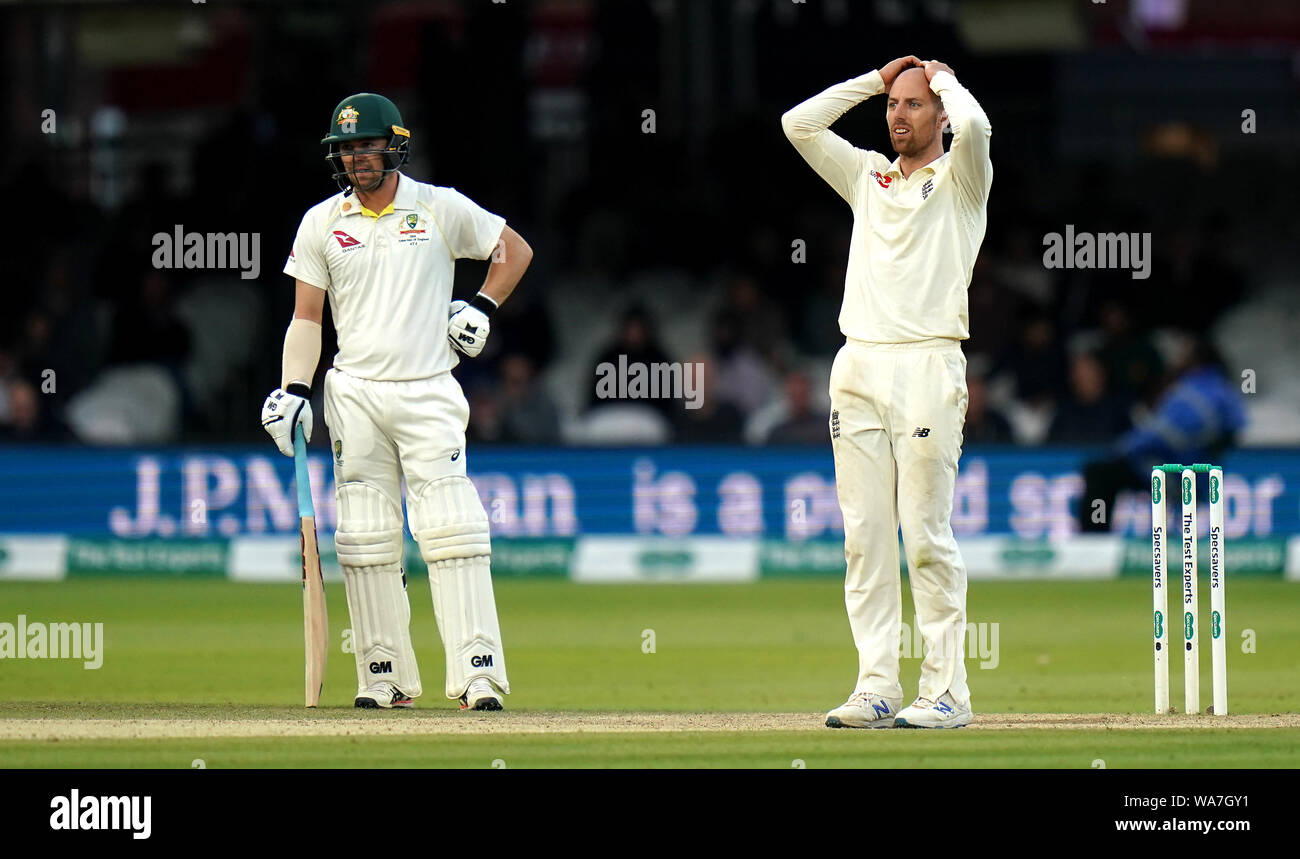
{"x": 368, "y": 176}
{"x": 366, "y": 181}
{"x": 911, "y": 144}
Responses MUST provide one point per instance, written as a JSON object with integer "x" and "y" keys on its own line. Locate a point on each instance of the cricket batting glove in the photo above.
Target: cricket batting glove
{"x": 468, "y": 327}
{"x": 284, "y": 410}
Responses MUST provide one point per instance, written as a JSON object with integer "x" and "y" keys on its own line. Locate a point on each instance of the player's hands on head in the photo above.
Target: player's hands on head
{"x": 933, "y": 67}
{"x": 896, "y": 67}
{"x": 467, "y": 328}
{"x": 283, "y": 411}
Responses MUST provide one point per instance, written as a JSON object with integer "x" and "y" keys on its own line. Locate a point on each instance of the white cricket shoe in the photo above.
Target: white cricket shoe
{"x": 864, "y": 710}
{"x": 382, "y": 696}
{"x": 481, "y": 695}
{"x": 924, "y": 713}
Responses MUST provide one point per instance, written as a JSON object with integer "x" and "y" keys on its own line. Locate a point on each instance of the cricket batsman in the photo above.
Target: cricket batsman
{"x": 898, "y": 385}
{"x": 384, "y": 251}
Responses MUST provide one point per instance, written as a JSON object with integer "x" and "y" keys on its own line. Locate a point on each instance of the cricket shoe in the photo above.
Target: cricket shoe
{"x": 925, "y": 713}
{"x": 864, "y": 710}
{"x": 382, "y": 696}
{"x": 481, "y": 695}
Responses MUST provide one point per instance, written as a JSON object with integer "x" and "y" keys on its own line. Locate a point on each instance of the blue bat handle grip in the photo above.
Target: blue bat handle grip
{"x": 305, "y": 507}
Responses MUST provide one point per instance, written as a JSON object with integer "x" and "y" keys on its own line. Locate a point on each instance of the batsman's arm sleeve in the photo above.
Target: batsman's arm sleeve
{"x": 808, "y": 128}
{"x": 971, "y": 131}
{"x": 301, "y": 352}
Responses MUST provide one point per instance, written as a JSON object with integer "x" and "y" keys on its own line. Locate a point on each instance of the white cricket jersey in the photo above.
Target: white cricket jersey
{"x": 914, "y": 240}
{"x": 389, "y": 275}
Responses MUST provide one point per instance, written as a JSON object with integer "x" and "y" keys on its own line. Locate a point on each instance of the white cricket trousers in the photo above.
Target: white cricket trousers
{"x": 384, "y": 431}
{"x": 898, "y": 410}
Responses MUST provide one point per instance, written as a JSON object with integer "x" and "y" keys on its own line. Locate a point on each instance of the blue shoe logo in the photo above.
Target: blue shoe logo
{"x": 943, "y": 707}
{"x": 881, "y": 709}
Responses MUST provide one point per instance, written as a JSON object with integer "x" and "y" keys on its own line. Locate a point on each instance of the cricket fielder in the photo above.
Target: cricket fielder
{"x": 898, "y": 385}
{"x": 384, "y": 250}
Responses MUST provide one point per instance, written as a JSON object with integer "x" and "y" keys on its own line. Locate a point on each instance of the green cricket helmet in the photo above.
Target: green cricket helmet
{"x": 362, "y": 117}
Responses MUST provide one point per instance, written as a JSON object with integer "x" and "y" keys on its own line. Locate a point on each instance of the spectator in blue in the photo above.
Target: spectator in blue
{"x": 1198, "y": 416}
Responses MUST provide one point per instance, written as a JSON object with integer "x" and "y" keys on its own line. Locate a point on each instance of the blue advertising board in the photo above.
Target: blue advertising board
{"x": 778, "y": 493}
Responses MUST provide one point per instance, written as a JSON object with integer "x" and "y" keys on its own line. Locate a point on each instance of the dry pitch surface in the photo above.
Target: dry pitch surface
{"x": 451, "y": 722}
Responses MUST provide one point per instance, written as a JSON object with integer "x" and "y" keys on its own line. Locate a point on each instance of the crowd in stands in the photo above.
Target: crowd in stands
{"x": 677, "y": 247}
{"x": 118, "y": 347}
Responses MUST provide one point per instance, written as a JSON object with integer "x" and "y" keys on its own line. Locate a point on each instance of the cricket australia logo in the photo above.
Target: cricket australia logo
{"x": 338, "y": 451}
{"x": 927, "y": 188}
{"x": 348, "y": 117}
{"x": 412, "y": 232}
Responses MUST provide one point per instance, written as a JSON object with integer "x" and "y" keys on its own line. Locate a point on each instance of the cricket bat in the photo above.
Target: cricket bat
{"x": 315, "y": 620}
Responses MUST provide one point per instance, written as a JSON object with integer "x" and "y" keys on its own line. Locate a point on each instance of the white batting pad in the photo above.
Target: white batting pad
{"x": 381, "y": 627}
{"x": 369, "y": 546}
{"x": 451, "y": 529}
{"x": 370, "y": 527}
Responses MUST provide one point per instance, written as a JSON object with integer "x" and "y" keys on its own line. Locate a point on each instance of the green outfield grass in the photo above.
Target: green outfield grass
{"x": 777, "y": 646}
